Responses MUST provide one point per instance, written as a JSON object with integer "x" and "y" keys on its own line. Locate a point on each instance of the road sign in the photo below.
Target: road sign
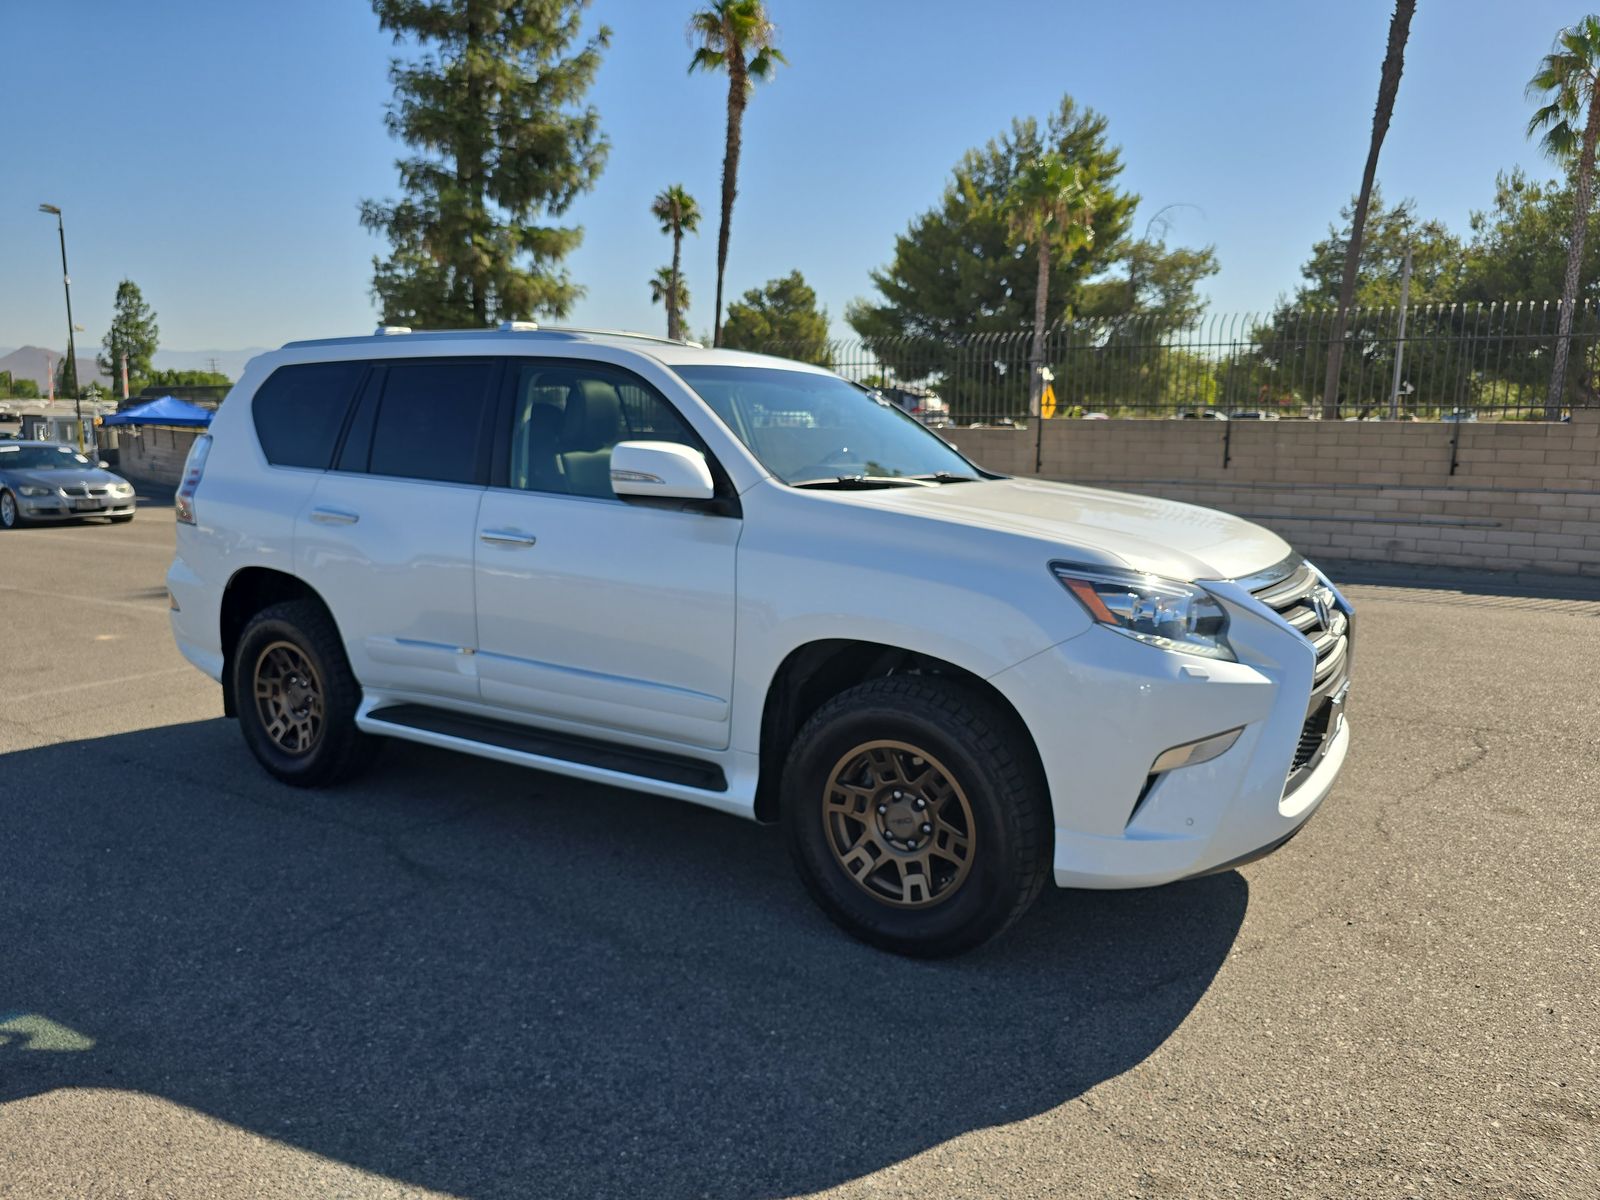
{"x": 1047, "y": 402}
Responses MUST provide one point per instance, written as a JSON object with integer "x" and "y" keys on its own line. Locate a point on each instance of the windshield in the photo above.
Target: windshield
{"x": 40, "y": 458}
{"x": 806, "y": 427}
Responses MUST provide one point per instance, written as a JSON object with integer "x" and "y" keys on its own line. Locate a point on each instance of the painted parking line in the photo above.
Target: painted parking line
{"x": 152, "y": 606}
{"x": 99, "y": 683}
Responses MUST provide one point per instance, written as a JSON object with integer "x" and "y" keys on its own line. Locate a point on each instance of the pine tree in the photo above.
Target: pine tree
{"x": 133, "y": 334}
{"x": 780, "y": 318}
{"x": 492, "y": 106}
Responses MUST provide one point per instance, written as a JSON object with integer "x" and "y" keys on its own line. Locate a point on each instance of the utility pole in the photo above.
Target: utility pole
{"x": 72, "y": 350}
{"x": 1400, "y": 339}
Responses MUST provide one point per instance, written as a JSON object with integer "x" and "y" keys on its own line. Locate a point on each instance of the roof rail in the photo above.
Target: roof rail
{"x": 517, "y": 328}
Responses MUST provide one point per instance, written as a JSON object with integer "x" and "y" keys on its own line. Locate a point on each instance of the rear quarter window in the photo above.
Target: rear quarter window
{"x": 300, "y": 409}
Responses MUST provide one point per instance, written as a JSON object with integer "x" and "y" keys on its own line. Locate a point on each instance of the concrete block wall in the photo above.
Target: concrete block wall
{"x": 155, "y": 455}
{"x": 1523, "y": 496}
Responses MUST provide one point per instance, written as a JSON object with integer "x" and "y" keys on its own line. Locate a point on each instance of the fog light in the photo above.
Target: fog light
{"x": 1190, "y": 753}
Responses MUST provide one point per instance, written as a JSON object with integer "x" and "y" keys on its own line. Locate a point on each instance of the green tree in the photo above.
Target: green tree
{"x": 780, "y": 318}
{"x": 1290, "y": 349}
{"x": 66, "y": 373}
{"x": 678, "y": 214}
{"x": 175, "y": 378}
{"x": 958, "y": 272}
{"x": 17, "y": 389}
{"x": 1437, "y": 263}
{"x": 133, "y": 336}
{"x": 735, "y": 36}
{"x": 1157, "y": 287}
{"x": 667, "y": 287}
{"x": 1519, "y": 244}
{"x": 493, "y": 108}
{"x": 1569, "y": 123}
{"x": 1050, "y": 209}
{"x": 1394, "y": 61}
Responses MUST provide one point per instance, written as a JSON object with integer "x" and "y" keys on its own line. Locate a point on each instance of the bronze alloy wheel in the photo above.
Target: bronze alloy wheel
{"x": 899, "y": 824}
{"x": 289, "y": 698}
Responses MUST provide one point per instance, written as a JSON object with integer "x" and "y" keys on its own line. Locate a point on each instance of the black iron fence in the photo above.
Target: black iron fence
{"x": 1430, "y": 362}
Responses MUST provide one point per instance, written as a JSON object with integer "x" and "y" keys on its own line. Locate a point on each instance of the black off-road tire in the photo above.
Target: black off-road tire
{"x": 338, "y": 750}
{"x": 988, "y": 757}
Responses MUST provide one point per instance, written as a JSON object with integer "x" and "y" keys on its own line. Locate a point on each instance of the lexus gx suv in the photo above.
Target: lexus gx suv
{"x": 744, "y": 582}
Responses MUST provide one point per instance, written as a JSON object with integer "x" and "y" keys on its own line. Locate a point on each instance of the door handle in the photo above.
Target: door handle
{"x": 507, "y": 537}
{"x": 334, "y": 516}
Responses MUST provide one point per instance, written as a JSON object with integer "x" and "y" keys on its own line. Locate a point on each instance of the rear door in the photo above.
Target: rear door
{"x": 602, "y": 615}
{"x": 387, "y": 537}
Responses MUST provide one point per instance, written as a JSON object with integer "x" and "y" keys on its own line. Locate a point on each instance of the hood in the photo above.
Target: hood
{"x": 1162, "y": 537}
{"x": 72, "y": 479}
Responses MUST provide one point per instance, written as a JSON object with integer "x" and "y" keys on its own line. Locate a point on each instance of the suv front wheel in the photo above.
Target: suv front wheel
{"x": 296, "y": 697}
{"x": 916, "y": 815}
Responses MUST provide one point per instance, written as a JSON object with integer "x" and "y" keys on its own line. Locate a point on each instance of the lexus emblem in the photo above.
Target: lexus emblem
{"x": 1322, "y": 602}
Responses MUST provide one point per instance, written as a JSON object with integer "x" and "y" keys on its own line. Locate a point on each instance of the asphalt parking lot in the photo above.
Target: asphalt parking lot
{"x": 461, "y": 978}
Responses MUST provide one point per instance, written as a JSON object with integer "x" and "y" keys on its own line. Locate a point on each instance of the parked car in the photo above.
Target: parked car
{"x": 924, "y": 405}
{"x": 46, "y": 481}
{"x": 600, "y": 555}
{"x": 1200, "y": 414}
{"x": 1459, "y": 414}
{"x": 1252, "y": 414}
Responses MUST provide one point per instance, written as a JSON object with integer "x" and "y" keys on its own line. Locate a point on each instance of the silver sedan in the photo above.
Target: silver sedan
{"x": 45, "y": 481}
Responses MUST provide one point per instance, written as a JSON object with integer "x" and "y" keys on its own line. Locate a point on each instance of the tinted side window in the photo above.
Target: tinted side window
{"x": 299, "y": 409}
{"x": 430, "y": 418}
{"x": 567, "y": 417}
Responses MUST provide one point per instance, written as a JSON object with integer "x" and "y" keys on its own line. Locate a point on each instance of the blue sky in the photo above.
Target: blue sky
{"x": 215, "y": 153}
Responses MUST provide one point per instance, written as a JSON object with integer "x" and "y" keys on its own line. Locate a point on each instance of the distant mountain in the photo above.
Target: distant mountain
{"x": 35, "y": 363}
{"x": 229, "y": 362}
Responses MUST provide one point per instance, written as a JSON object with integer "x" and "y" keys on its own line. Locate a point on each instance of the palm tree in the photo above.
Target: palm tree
{"x": 1049, "y": 207}
{"x": 678, "y": 214}
{"x": 735, "y": 36}
{"x": 667, "y": 287}
{"x": 1567, "y": 81}
{"x": 1394, "y": 61}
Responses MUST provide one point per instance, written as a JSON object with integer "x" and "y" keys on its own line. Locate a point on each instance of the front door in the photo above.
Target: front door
{"x": 595, "y": 613}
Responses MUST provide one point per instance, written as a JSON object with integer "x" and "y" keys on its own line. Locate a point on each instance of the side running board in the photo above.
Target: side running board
{"x": 590, "y": 752}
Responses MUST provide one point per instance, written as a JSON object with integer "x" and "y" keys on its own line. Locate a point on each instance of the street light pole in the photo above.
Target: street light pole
{"x": 72, "y": 350}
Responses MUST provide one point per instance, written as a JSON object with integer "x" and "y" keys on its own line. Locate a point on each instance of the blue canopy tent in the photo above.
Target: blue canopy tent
{"x": 168, "y": 410}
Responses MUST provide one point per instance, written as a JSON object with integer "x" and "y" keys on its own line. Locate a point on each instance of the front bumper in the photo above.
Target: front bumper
{"x": 1102, "y": 709}
{"x": 57, "y": 508}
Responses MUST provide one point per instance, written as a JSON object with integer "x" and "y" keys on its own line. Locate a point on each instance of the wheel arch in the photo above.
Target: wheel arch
{"x": 249, "y": 590}
{"x": 813, "y": 673}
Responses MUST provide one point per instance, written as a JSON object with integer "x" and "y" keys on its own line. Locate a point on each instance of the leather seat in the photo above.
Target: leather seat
{"x": 591, "y": 426}
{"x": 535, "y": 462}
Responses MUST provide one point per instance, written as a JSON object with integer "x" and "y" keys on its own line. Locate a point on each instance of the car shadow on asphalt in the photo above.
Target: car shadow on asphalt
{"x": 498, "y": 983}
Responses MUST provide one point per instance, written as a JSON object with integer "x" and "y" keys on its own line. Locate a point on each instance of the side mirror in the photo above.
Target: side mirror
{"x": 664, "y": 470}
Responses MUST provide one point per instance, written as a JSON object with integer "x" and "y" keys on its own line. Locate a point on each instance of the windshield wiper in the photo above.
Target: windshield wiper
{"x": 847, "y": 482}
{"x": 944, "y": 477}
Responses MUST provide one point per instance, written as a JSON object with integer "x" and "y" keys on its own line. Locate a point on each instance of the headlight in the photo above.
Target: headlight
{"x": 29, "y": 489}
{"x": 121, "y": 489}
{"x": 1159, "y": 612}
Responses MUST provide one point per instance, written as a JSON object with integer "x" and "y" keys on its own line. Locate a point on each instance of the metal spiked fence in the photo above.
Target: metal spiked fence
{"x": 1488, "y": 361}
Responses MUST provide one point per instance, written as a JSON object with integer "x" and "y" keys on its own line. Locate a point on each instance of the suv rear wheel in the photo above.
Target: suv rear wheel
{"x": 916, "y": 815}
{"x": 296, "y": 697}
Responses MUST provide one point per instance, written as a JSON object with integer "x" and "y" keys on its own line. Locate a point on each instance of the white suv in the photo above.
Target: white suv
{"x": 740, "y": 581}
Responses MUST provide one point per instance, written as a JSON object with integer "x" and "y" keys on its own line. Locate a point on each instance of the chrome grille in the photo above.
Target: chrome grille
{"x": 1297, "y": 594}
